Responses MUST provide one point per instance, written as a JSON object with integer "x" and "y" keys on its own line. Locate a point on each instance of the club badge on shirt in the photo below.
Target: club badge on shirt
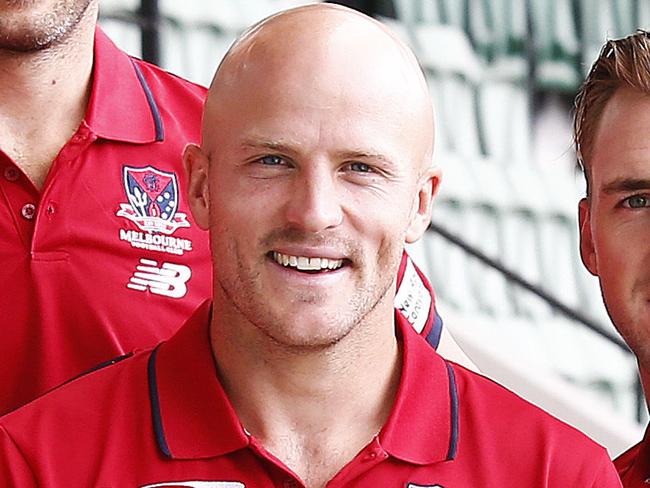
{"x": 153, "y": 202}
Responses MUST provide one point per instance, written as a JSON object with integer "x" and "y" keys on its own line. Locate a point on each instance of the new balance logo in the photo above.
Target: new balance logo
{"x": 168, "y": 280}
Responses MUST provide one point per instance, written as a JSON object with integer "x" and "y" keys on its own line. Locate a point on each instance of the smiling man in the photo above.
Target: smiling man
{"x": 99, "y": 251}
{"x": 313, "y": 173}
{"x": 611, "y": 132}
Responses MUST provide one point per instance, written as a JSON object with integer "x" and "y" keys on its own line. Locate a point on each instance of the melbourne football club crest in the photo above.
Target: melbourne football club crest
{"x": 153, "y": 200}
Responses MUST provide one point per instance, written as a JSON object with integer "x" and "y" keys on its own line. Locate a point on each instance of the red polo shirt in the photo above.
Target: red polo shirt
{"x": 106, "y": 258}
{"x": 161, "y": 418}
{"x": 634, "y": 465}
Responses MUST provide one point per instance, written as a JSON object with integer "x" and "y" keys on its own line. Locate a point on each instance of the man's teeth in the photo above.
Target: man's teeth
{"x": 306, "y": 264}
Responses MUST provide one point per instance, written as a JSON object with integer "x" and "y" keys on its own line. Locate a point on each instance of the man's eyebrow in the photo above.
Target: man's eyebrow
{"x": 383, "y": 161}
{"x": 278, "y": 146}
{"x": 626, "y": 184}
{"x": 365, "y": 155}
{"x": 284, "y": 147}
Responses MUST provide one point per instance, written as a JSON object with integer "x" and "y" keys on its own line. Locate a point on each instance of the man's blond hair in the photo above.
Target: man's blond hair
{"x": 621, "y": 63}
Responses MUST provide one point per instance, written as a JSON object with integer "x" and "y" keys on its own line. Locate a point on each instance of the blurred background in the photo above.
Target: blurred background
{"x": 502, "y": 251}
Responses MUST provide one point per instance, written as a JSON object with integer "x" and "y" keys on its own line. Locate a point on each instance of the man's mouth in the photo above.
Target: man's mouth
{"x": 302, "y": 263}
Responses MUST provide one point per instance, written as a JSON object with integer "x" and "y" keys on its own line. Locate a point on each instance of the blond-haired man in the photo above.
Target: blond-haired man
{"x": 612, "y": 138}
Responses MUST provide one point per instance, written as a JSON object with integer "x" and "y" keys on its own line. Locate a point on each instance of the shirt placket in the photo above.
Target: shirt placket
{"x": 372, "y": 455}
{"x": 21, "y": 198}
{"x": 49, "y": 214}
{"x": 280, "y": 475}
{"x": 368, "y": 458}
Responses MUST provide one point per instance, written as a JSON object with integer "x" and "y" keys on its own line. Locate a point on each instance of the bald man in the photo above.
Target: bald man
{"x": 88, "y": 192}
{"x": 313, "y": 173}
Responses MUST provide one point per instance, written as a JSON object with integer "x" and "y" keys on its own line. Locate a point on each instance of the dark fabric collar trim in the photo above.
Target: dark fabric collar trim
{"x": 122, "y": 106}
{"x": 192, "y": 416}
{"x": 155, "y": 404}
{"x": 155, "y": 113}
{"x": 433, "y": 337}
{"x": 453, "y": 400}
{"x": 422, "y": 426}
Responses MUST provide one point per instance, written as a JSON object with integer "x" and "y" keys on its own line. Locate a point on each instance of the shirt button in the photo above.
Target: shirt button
{"x": 28, "y": 211}
{"x": 370, "y": 456}
{"x": 11, "y": 173}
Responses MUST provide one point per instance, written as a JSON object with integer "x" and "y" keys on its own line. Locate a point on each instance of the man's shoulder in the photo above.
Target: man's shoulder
{"x": 156, "y": 77}
{"x": 489, "y": 408}
{"x": 64, "y": 434}
{"x": 496, "y": 423}
{"x": 83, "y": 398}
{"x": 170, "y": 86}
{"x": 632, "y": 456}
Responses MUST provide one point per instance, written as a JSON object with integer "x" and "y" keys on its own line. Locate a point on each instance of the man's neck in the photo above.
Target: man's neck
{"x": 314, "y": 411}
{"x": 43, "y": 99}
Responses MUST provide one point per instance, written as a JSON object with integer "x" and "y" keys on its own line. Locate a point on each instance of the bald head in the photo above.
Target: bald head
{"x": 325, "y": 55}
{"x": 317, "y": 141}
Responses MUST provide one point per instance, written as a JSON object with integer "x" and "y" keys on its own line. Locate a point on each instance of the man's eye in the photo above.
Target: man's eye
{"x": 360, "y": 167}
{"x": 636, "y": 201}
{"x": 271, "y": 160}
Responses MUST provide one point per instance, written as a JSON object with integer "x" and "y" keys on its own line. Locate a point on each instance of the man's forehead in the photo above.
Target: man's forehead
{"x": 627, "y": 173}
{"x": 341, "y": 70}
{"x": 325, "y": 97}
{"x": 622, "y": 139}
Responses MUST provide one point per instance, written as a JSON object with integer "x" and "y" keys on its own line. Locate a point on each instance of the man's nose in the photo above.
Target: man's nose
{"x": 314, "y": 204}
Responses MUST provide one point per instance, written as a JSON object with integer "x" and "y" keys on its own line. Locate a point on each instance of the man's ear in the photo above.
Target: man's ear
{"x": 587, "y": 250}
{"x": 423, "y": 204}
{"x": 197, "y": 166}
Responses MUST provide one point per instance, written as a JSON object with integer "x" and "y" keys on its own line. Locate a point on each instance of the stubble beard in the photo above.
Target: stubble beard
{"x": 246, "y": 297}
{"x": 639, "y": 343}
{"x": 635, "y": 335}
{"x": 43, "y": 32}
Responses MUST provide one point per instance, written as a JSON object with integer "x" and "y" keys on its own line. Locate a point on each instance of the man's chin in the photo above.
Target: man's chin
{"x": 29, "y": 39}
{"x": 40, "y": 29}
{"x": 26, "y": 45}
{"x": 304, "y": 334}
